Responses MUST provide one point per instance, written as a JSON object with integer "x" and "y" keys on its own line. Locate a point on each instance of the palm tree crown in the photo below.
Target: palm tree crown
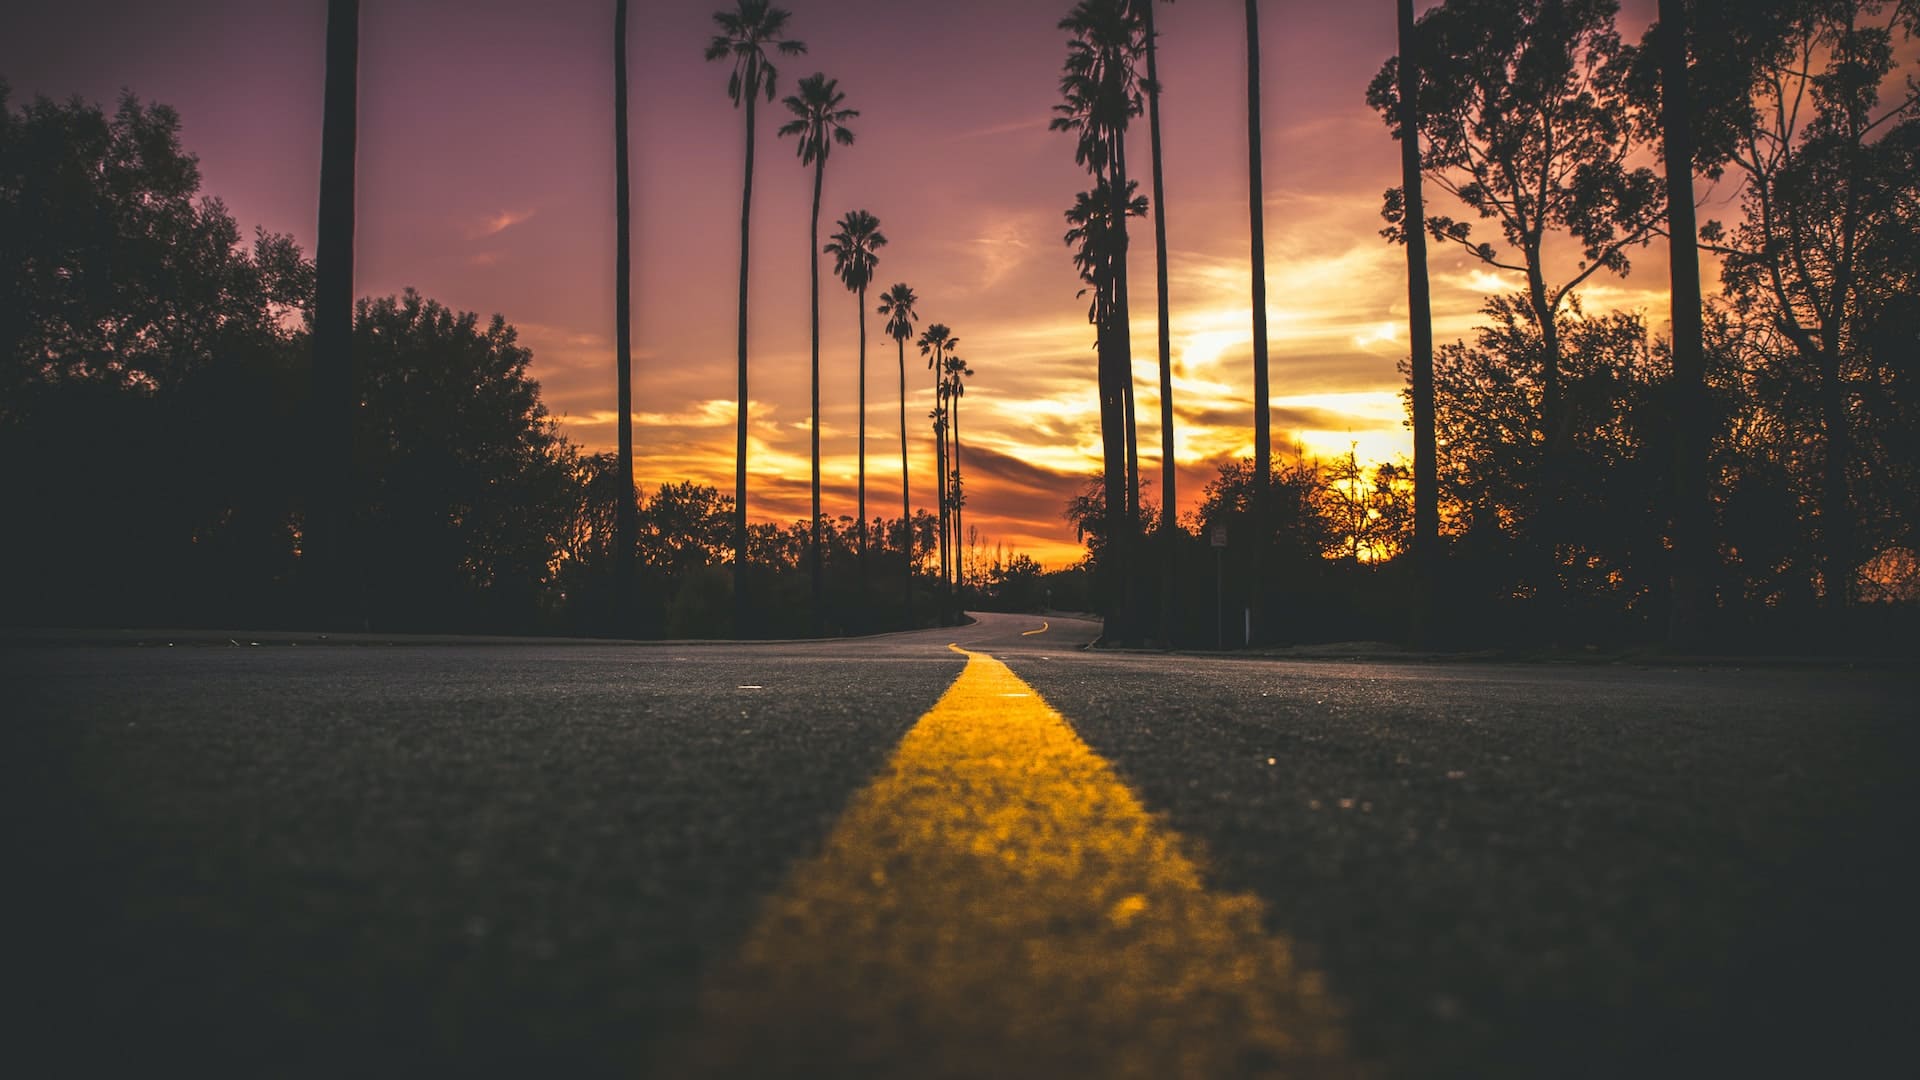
{"x": 1092, "y": 238}
{"x": 1100, "y": 80}
{"x": 745, "y": 34}
{"x": 854, "y": 249}
{"x": 935, "y": 342}
{"x": 897, "y": 305}
{"x": 818, "y": 118}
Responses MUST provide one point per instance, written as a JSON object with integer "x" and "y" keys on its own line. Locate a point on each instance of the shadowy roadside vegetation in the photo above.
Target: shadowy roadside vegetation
{"x": 154, "y": 409}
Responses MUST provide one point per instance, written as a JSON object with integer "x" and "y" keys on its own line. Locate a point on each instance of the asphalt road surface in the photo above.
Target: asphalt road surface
{"x": 891, "y": 857}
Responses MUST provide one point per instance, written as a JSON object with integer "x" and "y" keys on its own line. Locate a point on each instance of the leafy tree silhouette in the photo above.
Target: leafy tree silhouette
{"x": 819, "y": 123}
{"x": 855, "y": 254}
{"x": 746, "y": 35}
{"x": 1526, "y": 123}
{"x": 145, "y": 354}
{"x": 467, "y": 480}
{"x": 1825, "y": 255}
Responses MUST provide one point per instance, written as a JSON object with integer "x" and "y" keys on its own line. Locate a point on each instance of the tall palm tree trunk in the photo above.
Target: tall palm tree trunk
{"x": 1256, "y": 214}
{"x": 1692, "y": 512}
{"x": 940, "y": 467}
{"x": 330, "y": 539}
{"x": 1113, "y": 460}
{"x": 1426, "y": 481}
{"x": 906, "y": 496}
{"x": 813, "y": 268}
{"x": 741, "y": 608}
{"x": 959, "y": 507}
{"x": 1169, "y": 499}
{"x": 862, "y": 301}
{"x": 626, "y": 526}
{"x": 1129, "y": 530}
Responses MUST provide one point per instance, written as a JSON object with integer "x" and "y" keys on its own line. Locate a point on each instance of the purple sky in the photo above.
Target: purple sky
{"x": 486, "y": 182}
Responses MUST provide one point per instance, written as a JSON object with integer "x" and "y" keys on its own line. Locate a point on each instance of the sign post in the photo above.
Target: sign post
{"x": 1219, "y": 577}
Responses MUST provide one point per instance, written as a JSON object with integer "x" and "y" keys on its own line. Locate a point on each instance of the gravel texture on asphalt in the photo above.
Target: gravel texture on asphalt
{"x": 301, "y": 860}
{"x": 1550, "y": 871}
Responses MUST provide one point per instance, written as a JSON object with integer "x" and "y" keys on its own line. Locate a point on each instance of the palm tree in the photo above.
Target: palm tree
{"x": 939, "y": 415}
{"x": 957, "y": 372}
{"x": 1256, "y": 197}
{"x": 855, "y": 254}
{"x": 746, "y": 33}
{"x": 626, "y": 525}
{"x": 1426, "y": 491}
{"x": 897, "y": 305}
{"x": 329, "y": 528}
{"x": 1101, "y": 91}
{"x": 1169, "y": 501}
{"x": 819, "y": 122}
{"x": 935, "y": 343}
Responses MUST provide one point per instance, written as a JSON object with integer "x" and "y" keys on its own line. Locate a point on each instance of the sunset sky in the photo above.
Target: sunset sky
{"x": 486, "y": 176}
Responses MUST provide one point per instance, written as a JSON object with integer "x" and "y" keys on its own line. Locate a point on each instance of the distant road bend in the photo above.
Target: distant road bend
{"x": 980, "y": 851}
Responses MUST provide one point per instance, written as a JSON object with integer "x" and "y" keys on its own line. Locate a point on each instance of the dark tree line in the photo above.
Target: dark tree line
{"x": 1636, "y": 477}
{"x": 155, "y": 387}
{"x": 1576, "y": 475}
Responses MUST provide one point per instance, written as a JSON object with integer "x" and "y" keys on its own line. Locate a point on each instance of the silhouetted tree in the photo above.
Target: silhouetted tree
{"x": 329, "y": 540}
{"x": 626, "y": 521}
{"x": 1101, "y": 90}
{"x": 936, "y": 343}
{"x": 819, "y": 123}
{"x": 468, "y": 482}
{"x": 897, "y": 305}
{"x": 855, "y": 250}
{"x": 1692, "y": 510}
{"x": 146, "y": 357}
{"x": 1616, "y": 464}
{"x": 957, "y": 374}
{"x": 1091, "y": 240}
{"x": 1527, "y": 125}
{"x": 1169, "y": 586}
{"x": 1412, "y": 230}
{"x": 746, "y": 34}
{"x": 1257, "y": 230}
{"x": 1826, "y": 243}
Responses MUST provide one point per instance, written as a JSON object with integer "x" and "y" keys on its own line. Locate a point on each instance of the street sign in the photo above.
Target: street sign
{"x": 1219, "y": 536}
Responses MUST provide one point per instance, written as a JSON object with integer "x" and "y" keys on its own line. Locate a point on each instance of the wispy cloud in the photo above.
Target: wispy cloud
{"x": 1032, "y": 123}
{"x": 496, "y": 223}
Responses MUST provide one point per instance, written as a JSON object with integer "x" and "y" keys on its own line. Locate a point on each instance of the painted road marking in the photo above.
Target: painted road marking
{"x": 1030, "y": 633}
{"x": 998, "y": 903}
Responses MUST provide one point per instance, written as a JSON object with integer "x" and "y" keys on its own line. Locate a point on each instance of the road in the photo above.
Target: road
{"x": 983, "y": 851}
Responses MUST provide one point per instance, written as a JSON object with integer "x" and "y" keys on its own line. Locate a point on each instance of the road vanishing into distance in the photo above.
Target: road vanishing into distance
{"x": 975, "y": 852}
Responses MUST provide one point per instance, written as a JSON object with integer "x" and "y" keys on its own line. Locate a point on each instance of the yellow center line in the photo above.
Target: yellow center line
{"x": 1030, "y": 633}
{"x": 998, "y": 903}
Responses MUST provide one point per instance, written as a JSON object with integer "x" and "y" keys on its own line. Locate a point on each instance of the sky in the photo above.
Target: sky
{"x": 486, "y": 182}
